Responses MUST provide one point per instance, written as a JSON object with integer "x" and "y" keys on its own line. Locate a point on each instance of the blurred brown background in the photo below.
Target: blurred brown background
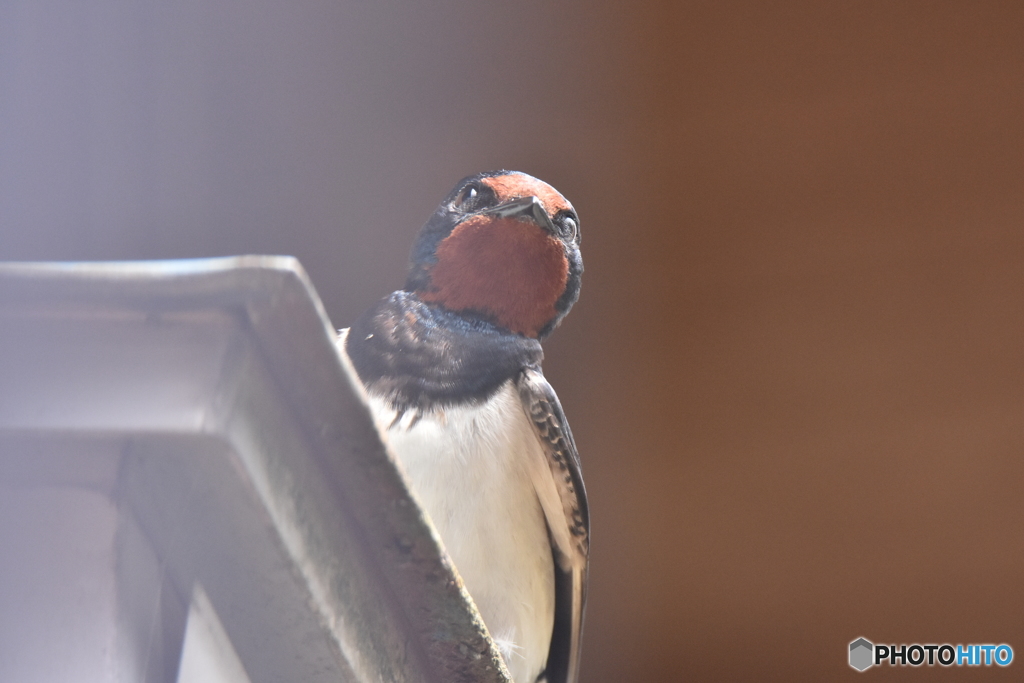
{"x": 795, "y": 373}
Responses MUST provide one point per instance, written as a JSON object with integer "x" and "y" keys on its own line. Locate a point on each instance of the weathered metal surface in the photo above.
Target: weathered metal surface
{"x": 192, "y": 426}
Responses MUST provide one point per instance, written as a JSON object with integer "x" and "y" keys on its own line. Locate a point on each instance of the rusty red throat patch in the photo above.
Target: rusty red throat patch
{"x": 508, "y": 269}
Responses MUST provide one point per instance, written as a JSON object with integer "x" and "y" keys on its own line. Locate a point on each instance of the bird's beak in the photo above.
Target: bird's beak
{"x": 526, "y": 208}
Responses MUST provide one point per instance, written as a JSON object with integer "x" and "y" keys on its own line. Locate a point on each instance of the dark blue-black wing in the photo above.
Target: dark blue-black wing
{"x": 568, "y": 522}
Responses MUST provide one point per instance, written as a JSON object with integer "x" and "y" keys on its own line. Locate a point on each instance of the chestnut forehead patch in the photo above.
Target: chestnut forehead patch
{"x": 517, "y": 185}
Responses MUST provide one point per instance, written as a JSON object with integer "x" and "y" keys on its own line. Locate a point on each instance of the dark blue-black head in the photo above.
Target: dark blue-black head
{"x": 503, "y": 246}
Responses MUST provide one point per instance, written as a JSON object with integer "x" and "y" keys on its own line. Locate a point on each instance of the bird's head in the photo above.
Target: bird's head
{"x": 502, "y": 247}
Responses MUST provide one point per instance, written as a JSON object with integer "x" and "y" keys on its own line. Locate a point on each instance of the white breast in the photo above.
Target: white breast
{"x": 470, "y": 468}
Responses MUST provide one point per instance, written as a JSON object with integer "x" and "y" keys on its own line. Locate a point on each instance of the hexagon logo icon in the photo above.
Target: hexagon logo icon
{"x": 861, "y": 651}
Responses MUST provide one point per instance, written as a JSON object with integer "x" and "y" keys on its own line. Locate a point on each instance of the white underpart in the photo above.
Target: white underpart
{"x": 473, "y": 468}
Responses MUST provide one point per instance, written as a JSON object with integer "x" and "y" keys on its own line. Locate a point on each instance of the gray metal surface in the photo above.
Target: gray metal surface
{"x": 180, "y": 439}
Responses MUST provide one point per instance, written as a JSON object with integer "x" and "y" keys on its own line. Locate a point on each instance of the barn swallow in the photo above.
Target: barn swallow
{"x": 452, "y": 369}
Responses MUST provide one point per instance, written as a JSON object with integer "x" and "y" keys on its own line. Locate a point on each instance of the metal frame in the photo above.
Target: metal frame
{"x": 192, "y": 426}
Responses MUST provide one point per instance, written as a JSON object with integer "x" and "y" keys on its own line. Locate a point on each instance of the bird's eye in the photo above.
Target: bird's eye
{"x": 467, "y": 197}
{"x": 570, "y": 229}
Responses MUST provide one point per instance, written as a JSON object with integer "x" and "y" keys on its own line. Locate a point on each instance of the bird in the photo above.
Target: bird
{"x": 451, "y": 365}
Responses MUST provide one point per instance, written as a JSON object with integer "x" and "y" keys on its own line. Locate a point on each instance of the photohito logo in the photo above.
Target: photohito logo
{"x": 865, "y": 654}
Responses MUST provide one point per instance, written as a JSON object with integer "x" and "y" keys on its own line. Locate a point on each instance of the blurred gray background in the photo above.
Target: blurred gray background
{"x": 795, "y": 373}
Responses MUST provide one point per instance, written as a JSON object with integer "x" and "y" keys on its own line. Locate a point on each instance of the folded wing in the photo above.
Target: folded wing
{"x": 559, "y": 484}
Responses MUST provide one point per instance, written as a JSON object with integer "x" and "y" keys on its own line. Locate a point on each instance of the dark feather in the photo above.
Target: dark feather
{"x": 421, "y": 356}
{"x": 542, "y": 405}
